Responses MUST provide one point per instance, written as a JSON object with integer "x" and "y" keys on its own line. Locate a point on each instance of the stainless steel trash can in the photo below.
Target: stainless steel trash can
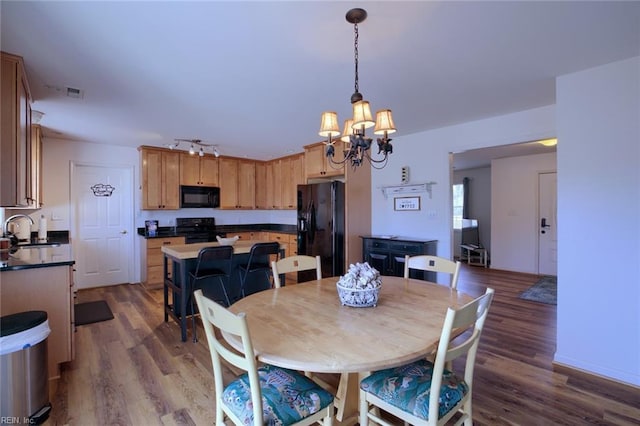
{"x": 24, "y": 376}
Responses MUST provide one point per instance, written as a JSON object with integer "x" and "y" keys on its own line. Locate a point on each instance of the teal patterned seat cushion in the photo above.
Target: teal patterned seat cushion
{"x": 287, "y": 397}
{"x": 408, "y": 388}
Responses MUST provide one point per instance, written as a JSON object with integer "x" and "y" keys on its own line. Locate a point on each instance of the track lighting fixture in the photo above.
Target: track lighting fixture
{"x": 192, "y": 147}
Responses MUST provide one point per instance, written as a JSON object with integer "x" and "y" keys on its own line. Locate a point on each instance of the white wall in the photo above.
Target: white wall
{"x": 598, "y": 165}
{"x": 598, "y": 114}
{"x": 428, "y": 156}
{"x": 514, "y": 211}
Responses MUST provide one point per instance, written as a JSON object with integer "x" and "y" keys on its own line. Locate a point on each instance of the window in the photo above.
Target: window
{"x": 458, "y": 205}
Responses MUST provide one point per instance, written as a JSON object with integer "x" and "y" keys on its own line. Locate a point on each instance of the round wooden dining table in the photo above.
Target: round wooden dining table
{"x": 305, "y": 327}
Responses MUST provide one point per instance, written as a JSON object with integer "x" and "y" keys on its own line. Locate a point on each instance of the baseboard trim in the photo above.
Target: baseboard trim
{"x": 574, "y": 371}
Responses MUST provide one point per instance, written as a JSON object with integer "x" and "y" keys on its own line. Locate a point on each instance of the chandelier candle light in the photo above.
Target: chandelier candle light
{"x": 358, "y": 145}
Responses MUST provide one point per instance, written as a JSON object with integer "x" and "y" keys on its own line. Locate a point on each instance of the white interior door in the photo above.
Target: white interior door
{"x": 103, "y": 241}
{"x": 547, "y": 224}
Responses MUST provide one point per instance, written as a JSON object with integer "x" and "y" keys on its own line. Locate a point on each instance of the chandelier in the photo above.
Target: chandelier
{"x": 196, "y": 143}
{"x": 357, "y": 145}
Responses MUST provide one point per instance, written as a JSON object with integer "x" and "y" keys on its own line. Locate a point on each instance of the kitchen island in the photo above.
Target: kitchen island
{"x": 183, "y": 258}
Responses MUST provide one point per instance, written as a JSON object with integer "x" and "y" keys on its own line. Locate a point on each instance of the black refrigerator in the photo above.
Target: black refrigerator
{"x": 321, "y": 227}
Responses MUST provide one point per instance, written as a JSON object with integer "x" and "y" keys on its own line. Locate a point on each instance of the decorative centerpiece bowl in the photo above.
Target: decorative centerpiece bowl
{"x": 227, "y": 241}
{"x": 360, "y": 286}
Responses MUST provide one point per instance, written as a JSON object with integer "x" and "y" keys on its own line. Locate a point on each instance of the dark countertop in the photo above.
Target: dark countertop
{"x": 170, "y": 231}
{"x": 397, "y": 238}
{"x": 24, "y": 257}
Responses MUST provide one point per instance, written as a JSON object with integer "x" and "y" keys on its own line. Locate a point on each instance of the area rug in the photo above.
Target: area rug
{"x": 91, "y": 312}
{"x": 543, "y": 291}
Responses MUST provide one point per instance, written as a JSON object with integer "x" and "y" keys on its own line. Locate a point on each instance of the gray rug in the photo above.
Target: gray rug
{"x": 544, "y": 291}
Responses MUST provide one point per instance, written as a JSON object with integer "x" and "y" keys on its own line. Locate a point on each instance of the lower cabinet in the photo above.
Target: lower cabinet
{"x": 387, "y": 255}
{"x": 153, "y": 260}
{"x": 47, "y": 289}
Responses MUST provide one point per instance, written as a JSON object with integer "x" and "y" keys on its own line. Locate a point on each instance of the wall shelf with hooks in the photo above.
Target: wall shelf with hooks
{"x": 406, "y": 189}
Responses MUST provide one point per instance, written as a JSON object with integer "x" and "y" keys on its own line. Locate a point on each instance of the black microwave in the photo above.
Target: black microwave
{"x": 199, "y": 196}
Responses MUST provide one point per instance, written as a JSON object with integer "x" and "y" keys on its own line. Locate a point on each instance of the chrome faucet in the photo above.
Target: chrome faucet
{"x": 5, "y": 228}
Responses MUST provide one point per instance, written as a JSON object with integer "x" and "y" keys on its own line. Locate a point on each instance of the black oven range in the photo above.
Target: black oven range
{"x": 197, "y": 229}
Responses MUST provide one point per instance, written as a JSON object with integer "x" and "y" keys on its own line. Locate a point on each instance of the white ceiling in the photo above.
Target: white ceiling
{"x": 254, "y": 77}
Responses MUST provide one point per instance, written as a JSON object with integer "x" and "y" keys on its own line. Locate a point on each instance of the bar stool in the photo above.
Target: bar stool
{"x": 213, "y": 262}
{"x": 259, "y": 261}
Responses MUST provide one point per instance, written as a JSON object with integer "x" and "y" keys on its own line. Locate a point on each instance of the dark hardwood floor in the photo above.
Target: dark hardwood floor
{"x": 134, "y": 370}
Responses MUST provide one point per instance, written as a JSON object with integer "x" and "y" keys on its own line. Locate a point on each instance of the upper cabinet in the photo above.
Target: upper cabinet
{"x": 160, "y": 179}
{"x": 198, "y": 171}
{"x": 277, "y": 182}
{"x": 15, "y": 136}
{"x": 292, "y": 174}
{"x": 35, "y": 163}
{"x": 237, "y": 183}
{"x": 244, "y": 184}
{"x": 316, "y": 163}
{"x": 262, "y": 186}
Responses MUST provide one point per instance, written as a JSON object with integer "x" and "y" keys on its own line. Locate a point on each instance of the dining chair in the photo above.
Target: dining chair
{"x": 295, "y": 263}
{"x": 265, "y": 395}
{"x": 212, "y": 262}
{"x": 259, "y": 261}
{"x": 433, "y": 264}
{"x": 424, "y": 392}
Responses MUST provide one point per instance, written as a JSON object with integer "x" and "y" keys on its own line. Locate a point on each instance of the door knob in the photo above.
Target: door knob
{"x": 124, "y": 231}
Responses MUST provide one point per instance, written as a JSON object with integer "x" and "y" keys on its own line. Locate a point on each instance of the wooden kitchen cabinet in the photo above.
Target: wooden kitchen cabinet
{"x": 35, "y": 165}
{"x": 292, "y": 175}
{"x": 249, "y": 236}
{"x": 262, "y": 186}
{"x": 316, "y": 163}
{"x": 47, "y": 289}
{"x": 291, "y": 249}
{"x": 198, "y": 171}
{"x": 271, "y": 189}
{"x": 160, "y": 179}
{"x": 15, "y": 135}
{"x": 289, "y": 239}
{"x": 277, "y": 182}
{"x": 152, "y": 260}
{"x": 237, "y": 183}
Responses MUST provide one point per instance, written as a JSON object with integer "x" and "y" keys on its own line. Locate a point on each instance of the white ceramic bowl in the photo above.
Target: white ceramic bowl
{"x": 227, "y": 241}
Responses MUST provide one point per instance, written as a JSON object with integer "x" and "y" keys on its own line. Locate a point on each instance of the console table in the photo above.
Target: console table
{"x": 386, "y": 254}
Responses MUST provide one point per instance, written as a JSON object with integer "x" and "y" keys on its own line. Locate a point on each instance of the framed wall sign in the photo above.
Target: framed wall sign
{"x": 406, "y": 203}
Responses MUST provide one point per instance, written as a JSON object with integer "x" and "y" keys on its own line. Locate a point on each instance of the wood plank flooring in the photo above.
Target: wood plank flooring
{"x": 134, "y": 370}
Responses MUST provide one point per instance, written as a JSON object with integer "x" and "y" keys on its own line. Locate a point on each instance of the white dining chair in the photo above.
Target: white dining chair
{"x": 433, "y": 264}
{"x": 424, "y": 392}
{"x": 264, "y": 395}
{"x": 295, "y": 263}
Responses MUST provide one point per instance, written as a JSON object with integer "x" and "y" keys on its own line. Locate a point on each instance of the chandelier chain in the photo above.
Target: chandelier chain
{"x": 355, "y": 54}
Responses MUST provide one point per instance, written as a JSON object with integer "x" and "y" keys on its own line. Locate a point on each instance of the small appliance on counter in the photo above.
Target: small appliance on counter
{"x": 21, "y": 228}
